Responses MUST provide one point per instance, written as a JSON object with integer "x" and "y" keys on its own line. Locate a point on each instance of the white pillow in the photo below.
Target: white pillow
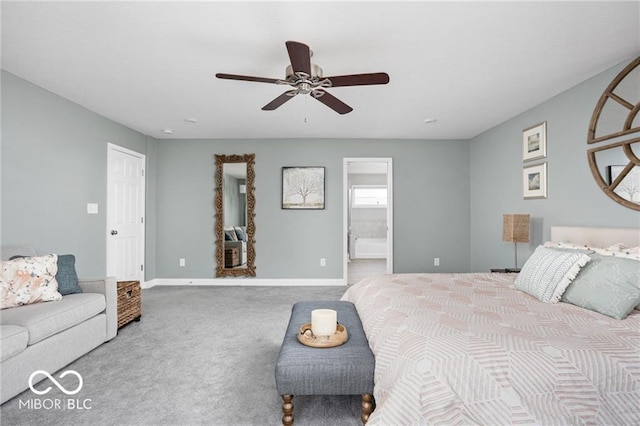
{"x": 28, "y": 280}
{"x": 629, "y": 253}
{"x": 548, "y": 273}
{"x": 569, "y": 246}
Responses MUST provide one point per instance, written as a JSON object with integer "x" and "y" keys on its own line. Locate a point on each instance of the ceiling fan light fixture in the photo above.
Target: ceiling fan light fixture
{"x": 307, "y": 78}
{"x": 304, "y": 88}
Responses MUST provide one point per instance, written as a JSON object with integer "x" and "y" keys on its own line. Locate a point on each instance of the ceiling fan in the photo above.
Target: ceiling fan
{"x": 306, "y": 78}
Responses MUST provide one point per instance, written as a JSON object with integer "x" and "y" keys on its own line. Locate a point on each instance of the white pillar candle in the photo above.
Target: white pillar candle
{"x": 323, "y": 322}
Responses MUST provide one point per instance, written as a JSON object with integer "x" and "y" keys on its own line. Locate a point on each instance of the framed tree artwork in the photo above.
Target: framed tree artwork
{"x": 625, "y": 181}
{"x": 303, "y": 188}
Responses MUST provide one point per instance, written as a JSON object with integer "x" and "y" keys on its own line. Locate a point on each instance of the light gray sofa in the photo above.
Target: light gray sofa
{"x": 48, "y": 336}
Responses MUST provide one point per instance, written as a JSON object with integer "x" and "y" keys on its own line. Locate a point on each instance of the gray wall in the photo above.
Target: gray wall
{"x": 573, "y": 196}
{"x": 54, "y": 162}
{"x": 431, "y": 205}
{"x": 449, "y": 196}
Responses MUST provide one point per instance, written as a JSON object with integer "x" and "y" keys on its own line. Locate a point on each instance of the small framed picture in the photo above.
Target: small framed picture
{"x": 303, "y": 188}
{"x": 534, "y": 181}
{"x": 534, "y": 142}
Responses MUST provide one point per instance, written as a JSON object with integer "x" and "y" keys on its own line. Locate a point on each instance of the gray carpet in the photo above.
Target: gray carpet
{"x": 199, "y": 356}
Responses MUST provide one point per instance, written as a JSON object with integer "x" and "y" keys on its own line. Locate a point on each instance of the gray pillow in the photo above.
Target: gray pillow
{"x": 607, "y": 284}
{"x": 67, "y": 277}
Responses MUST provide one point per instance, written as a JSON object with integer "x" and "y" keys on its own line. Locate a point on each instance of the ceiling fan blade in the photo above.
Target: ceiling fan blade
{"x": 247, "y": 78}
{"x": 279, "y": 100}
{"x": 300, "y": 57}
{"x": 332, "y": 102}
{"x": 359, "y": 79}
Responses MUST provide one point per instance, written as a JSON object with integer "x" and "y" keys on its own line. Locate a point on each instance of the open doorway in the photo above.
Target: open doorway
{"x": 367, "y": 218}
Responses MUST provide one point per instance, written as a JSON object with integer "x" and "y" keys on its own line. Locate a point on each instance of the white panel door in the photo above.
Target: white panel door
{"x": 125, "y": 214}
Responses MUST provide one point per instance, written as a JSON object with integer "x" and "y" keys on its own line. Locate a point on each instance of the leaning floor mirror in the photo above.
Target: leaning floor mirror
{"x": 234, "y": 215}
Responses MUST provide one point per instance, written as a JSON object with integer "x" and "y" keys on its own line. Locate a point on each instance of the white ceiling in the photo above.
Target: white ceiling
{"x": 471, "y": 65}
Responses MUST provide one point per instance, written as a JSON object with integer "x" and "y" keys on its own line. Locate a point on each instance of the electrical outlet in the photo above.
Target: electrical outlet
{"x": 323, "y": 261}
{"x": 182, "y": 261}
{"x": 436, "y": 261}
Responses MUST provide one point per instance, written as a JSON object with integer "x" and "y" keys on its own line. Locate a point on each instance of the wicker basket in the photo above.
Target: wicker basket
{"x": 129, "y": 302}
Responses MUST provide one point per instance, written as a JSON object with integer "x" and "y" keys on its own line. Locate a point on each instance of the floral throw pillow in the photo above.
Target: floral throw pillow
{"x": 29, "y": 280}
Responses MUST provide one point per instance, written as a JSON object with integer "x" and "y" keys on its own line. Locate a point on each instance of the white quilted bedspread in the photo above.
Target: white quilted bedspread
{"x": 470, "y": 349}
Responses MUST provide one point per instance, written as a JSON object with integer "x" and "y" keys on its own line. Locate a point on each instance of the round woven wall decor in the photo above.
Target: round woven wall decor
{"x": 614, "y": 133}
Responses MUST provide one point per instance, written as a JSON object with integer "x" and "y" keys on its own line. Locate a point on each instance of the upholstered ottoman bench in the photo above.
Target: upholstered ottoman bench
{"x": 342, "y": 370}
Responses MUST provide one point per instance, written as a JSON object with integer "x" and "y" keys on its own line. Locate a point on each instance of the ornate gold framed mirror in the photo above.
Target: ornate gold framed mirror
{"x": 234, "y": 215}
{"x": 615, "y": 132}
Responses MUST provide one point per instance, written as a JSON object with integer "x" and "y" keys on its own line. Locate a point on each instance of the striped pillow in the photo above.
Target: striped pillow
{"x": 548, "y": 273}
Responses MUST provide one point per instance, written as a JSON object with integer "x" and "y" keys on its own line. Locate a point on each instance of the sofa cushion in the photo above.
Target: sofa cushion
{"x": 29, "y": 280}
{"x": 13, "y": 340}
{"x": 46, "y": 319}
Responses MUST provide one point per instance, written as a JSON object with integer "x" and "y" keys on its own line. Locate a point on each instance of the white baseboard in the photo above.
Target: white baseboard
{"x": 248, "y": 282}
{"x": 149, "y": 284}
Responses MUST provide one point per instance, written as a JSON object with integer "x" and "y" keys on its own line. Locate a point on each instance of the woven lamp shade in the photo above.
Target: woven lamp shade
{"x": 515, "y": 228}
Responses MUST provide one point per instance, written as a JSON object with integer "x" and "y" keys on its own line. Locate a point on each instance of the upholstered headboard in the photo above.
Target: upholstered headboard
{"x": 595, "y": 236}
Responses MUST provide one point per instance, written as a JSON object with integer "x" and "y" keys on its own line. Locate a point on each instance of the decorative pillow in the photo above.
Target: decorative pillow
{"x": 609, "y": 285}
{"x": 630, "y": 253}
{"x": 230, "y": 234}
{"x": 569, "y": 246}
{"x": 240, "y": 234}
{"x": 618, "y": 247}
{"x": 29, "y": 280}
{"x": 67, "y": 276}
{"x": 547, "y": 273}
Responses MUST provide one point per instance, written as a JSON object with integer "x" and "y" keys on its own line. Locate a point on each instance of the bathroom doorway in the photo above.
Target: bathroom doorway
{"x": 368, "y": 224}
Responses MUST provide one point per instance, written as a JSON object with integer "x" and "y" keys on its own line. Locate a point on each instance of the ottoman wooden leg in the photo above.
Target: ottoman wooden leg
{"x": 367, "y": 407}
{"x": 287, "y": 410}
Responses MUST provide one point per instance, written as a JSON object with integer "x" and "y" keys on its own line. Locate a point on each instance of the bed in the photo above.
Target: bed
{"x": 471, "y": 348}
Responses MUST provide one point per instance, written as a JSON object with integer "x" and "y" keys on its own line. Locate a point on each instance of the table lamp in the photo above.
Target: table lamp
{"x": 515, "y": 229}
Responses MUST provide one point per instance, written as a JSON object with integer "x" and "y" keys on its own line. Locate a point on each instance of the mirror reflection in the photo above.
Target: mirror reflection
{"x": 234, "y": 189}
{"x": 234, "y": 215}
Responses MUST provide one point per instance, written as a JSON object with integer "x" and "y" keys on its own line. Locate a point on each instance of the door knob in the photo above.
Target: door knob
{"x": 114, "y": 232}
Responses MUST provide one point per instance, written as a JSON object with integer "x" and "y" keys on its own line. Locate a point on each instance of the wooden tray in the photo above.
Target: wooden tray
{"x": 306, "y": 337}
